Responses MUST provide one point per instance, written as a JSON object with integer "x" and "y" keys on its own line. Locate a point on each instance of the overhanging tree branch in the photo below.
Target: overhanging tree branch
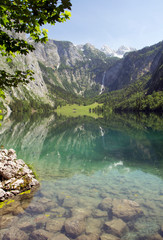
{"x": 26, "y": 16}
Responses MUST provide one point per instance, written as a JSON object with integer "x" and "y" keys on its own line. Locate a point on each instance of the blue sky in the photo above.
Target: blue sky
{"x": 134, "y": 23}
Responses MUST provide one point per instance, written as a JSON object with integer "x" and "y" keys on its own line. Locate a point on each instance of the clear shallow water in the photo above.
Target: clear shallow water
{"x": 82, "y": 161}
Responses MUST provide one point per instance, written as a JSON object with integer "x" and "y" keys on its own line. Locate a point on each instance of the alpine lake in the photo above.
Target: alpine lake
{"x": 99, "y": 178}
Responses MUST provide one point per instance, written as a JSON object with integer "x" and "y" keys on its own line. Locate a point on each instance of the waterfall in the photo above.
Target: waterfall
{"x": 103, "y": 83}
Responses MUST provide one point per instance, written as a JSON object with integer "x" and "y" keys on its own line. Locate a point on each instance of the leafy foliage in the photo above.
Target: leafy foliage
{"x": 10, "y": 80}
{"x": 26, "y": 16}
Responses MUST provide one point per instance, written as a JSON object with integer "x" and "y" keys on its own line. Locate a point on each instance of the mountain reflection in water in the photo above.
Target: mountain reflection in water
{"x": 80, "y": 163}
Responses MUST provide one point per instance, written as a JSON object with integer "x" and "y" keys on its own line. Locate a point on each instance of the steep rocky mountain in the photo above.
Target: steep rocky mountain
{"x": 133, "y": 66}
{"x": 75, "y": 69}
{"x": 156, "y": 82}
{"x": 65, "y": 71}
{"x": 61, "y": 69}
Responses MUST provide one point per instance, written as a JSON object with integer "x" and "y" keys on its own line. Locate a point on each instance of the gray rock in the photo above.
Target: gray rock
{"x": 81, "y": 213}
{"x": 156, "y": 237}
{"x": 88, "y": 237}
{"x": 60, "y": 237}
{"x": 116, "y": 227}
{"x": 105, "y": 236}
{"x": 15, "y": 234}
{"x": 40, "y": 234}
{"x": 2, "y": 193}
{"x": 15, "y": 175}
{"x": 98, "y": 213}
{"x": 36, "y": 208}
{"x": 6, "y": 173}
{"x": 55, "y": 225}
{"x": 126, "y": 209}
{"x": 94, "y": 226}
{"x": 20, "y": 162}
{"x": 161, "y": 229}
{"x": 33, "y": 182}
{"x": 28, "y": 226}
{"x": 10, "y": 152}
{"x": 3, "y": 152}
{"x": 41, "y": 221}
{"x": 18, "y": 210}
{"x": 106, "y": 204}
{"x": 6, "y": 221}
{"x": 74, "y": 226}
{"x": 58, "y": 212}
{"x": 69, "y": 202}
{"x": 82, "y": 237}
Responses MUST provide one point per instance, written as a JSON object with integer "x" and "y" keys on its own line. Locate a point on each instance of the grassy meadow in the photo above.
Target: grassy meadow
{"x": 75, "y": 110}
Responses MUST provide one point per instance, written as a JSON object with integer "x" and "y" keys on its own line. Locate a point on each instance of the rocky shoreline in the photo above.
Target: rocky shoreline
{"x": 15, "y": 176}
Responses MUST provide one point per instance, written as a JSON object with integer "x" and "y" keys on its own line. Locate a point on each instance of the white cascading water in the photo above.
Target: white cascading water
{"x": 103, "y": 83}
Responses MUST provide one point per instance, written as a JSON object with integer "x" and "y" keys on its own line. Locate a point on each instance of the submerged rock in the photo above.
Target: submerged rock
{"x": 40, "y": 234}
{"x": 161, "y": 230}
{"x": 105, "y": 236}
{"x": 156, "y": 237}
{"x": 98, "y": 213}
{"x": 15, "y": 175}
{"x": 106, "y": 204}
{"x": 36, "y": 208}
{"x": 60, "y": 237}
{"x": 15, "y": 234}
{"x": 74, "y": 226}
{"x": 94, "y": 226}
{"x": 126, "y": 209}
{"x": 55, "y": 225}
{"x": 88, "y": 237}
{"x": 7, "y": 220}
{"x": 81, "y": 213}
{"x": 116, "y": 227}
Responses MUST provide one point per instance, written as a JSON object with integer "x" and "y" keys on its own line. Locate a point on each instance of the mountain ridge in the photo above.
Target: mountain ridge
{"x": 65, "y": 72}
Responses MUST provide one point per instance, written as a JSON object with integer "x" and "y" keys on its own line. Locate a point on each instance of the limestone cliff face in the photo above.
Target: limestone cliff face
{"x": 73, "y": 68}
{"x": 156, "y": 82}
{"x": 34, "y": 89}
{"x": 133, "y": 66}
{"x": 81, "y": 70}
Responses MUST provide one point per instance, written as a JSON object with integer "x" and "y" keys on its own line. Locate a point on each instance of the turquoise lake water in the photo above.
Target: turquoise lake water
{"x": 82, "y": 161}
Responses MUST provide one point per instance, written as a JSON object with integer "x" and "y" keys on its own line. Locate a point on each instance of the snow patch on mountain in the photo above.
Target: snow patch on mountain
{"x": 116, "y": 53}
